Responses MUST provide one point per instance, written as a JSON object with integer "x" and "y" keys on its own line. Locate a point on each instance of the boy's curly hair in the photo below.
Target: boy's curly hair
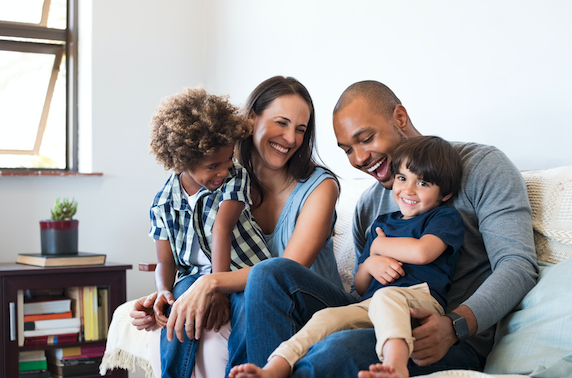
{"x": 193, "y": 124}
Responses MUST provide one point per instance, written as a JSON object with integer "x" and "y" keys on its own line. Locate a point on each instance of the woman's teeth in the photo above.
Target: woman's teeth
{"x": 279, "y": 148}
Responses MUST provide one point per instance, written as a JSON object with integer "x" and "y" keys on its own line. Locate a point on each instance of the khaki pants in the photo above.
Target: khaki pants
{"x": 387, "y": 312}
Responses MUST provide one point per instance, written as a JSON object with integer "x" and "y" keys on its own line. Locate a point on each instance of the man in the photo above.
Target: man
{"x": 497, "y": 266}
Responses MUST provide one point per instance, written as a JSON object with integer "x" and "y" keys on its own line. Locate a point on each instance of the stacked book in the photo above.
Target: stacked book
{"x": 76, "y": 361}
{"x": 33, "y": 364}
{"x": 49, "y": 321}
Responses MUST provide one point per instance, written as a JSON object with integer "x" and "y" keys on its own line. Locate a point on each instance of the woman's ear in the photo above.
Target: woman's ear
{"x": 251, "y": 114}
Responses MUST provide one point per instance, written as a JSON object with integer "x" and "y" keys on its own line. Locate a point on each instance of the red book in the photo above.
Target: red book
{"x": 51, "y": 340}
{"x": 60, "y": 315}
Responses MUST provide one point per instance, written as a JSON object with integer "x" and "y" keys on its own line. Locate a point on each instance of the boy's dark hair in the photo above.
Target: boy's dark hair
{"x": 193, "y": 124}
{"x": 432, "y": 159}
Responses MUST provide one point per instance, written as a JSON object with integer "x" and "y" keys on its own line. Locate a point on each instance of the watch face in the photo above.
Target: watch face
{"x": 461, "y": 328}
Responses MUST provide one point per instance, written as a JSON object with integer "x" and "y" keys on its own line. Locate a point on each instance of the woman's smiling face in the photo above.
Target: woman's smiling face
{"x": 279, "y": 131}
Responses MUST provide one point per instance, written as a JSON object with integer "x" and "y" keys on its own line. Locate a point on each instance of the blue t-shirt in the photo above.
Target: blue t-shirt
{"x": 445, "y": 223}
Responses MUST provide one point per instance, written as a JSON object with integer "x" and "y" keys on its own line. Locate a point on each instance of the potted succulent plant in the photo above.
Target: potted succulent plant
{"x": 59, "y": 235}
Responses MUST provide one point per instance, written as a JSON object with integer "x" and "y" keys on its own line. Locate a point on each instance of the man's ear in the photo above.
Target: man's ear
{"x": 447, "y": 197}
{"x": 400, "y": 117}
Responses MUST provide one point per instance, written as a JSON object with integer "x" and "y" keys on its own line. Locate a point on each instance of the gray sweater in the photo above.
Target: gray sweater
{"x": 497, "y": 266}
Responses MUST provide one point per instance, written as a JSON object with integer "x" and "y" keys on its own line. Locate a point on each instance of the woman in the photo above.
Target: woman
{"x": 294, "y": 201}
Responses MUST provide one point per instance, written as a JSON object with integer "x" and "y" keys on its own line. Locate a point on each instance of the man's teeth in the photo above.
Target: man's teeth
{"x": 375, "y": 166}
{"x": 279, "y": 148}
{"x": 409, "y": 202}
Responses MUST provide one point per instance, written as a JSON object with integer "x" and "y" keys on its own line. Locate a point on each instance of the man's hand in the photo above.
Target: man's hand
{"x": 433, "y": 337}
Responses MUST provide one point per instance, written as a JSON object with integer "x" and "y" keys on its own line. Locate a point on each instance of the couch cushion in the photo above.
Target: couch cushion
{"x": 351, "y": 190}
{"x": 536, "y": 338}
{"x": 550, "y": 195}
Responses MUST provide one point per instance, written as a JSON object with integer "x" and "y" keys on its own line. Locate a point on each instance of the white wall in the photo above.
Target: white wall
{"x": 495, "y": 72}
{"x": 485, "y": 71}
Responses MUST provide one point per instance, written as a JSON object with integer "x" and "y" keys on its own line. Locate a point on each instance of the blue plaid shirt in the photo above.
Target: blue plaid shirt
{"x": 171, "y": 218}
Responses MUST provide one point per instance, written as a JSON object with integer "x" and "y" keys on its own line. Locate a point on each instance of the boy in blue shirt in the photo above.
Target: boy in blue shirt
{"x": 408, "y": 262}
{"x": 201, "y": 219}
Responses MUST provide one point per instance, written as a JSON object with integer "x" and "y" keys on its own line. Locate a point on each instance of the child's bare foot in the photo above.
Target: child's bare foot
{"x": 245, "y": 370}
{"x": 277, "y": 367}
{"x": 383, "y": 371}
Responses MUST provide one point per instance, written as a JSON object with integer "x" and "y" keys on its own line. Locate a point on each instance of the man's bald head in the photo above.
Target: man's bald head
{"x": 378, "y": 96}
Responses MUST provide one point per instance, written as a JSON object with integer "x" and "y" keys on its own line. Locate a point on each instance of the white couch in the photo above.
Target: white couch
{"x": 535, "y": 340}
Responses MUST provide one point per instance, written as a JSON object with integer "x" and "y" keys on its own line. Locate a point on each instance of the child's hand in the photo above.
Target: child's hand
{"x": 142, "y": 314}
{"x": 219, "y": 312}
{"x": 163, "y": 299}
{"x": 376, "y": 247}
{"x": 384, "y": 269}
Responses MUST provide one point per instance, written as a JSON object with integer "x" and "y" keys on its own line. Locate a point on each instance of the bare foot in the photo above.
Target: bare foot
{"x": 277, "y": 367}
{"x": 383, "y": 371}
{"x": 245, "y": 371}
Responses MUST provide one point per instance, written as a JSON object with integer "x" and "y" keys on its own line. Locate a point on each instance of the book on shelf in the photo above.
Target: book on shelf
{"x": 58, "y": 315}
{"x": 75, "y": 361}
{"x": 51, "y": 324}
{"x": 89, "y": 368}
{"x": 103, "y": 311}
{"x": 47, "y": 306}
{"x": 31, "y": 361}
{"x": 35, "y": 374}
{"x": 72, "y": 353}
{"x": 52, "y": 331}
{"x": 82, "y": 258}
{"x": 90, "y": 313}
{"x": 33, "y": 365}
{"x": 76, "y": 295}
{"x": 51, "y": 339}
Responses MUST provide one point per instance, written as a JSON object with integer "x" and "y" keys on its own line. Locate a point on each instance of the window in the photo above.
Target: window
{"x": 38, "y": 93}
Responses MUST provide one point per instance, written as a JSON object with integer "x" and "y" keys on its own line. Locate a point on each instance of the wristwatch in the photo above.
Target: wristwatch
{"x": 459, "y": 325}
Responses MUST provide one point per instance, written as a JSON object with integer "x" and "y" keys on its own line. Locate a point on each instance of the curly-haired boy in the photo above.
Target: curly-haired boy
{"x": 200, "y": 219}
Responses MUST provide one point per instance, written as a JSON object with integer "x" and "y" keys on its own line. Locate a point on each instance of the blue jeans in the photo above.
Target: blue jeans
{"x": 348, "y": 352}
{"x": 280, "y": 298}
{"x": 178, "y": 359}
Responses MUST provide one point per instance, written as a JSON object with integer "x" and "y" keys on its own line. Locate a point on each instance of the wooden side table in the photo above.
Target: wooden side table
{"x": 14, "y": 277}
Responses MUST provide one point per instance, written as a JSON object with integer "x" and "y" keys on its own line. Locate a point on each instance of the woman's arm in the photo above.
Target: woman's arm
{"x": 314, "y": 224}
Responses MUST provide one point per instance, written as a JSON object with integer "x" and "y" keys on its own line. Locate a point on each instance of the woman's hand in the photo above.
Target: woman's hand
{"x": 142, "y": 314}
{"x": 189, "y": 310}
{"x": 219, "y": 312}
{"x": 164, "y": 298}
{"x": 384, "y": 269}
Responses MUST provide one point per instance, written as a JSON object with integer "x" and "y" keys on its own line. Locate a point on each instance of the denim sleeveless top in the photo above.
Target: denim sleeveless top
{"x": 325, "y": 264}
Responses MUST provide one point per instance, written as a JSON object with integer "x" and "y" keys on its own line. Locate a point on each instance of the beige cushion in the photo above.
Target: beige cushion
{"x": 550, "y": 195}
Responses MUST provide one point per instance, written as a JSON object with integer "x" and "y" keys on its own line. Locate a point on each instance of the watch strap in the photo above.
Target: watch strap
{"x": 459, "y": 326}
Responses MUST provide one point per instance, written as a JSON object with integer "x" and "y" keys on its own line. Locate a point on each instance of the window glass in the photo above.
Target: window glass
{"x": 33, "y": 85}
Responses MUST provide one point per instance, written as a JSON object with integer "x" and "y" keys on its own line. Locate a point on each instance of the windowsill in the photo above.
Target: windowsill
{"x": 45, "y": 173}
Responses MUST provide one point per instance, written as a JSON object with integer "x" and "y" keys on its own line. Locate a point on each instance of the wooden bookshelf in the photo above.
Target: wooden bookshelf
{"x": 14, "y": 277}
